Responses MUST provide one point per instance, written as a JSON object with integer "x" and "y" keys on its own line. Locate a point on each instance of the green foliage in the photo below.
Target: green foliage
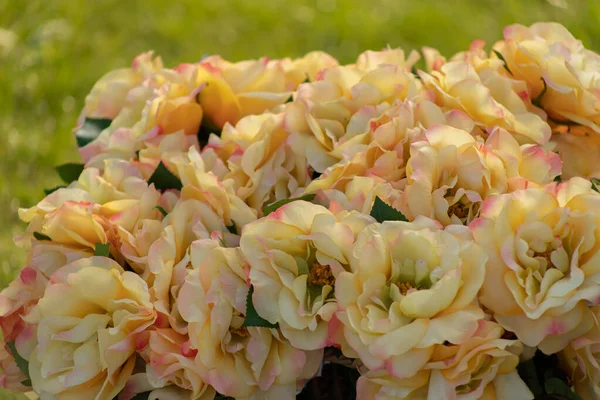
{"x": 69, "y": 172}
{"x": 162, "y": 210}
{"x": 381, "y": 211}
{"x": 164, "y": 179}
{"x": 252, "y": 317}
{"x": 90, "y": 130}
{"x": 41, "y": 236}
{"x": 22, "y": 363}
{"x": 102, "y": 250}
{"x": 501, "y": 57}
{"x": 538, "y": 100}
{"x": 269, "y": 208}
{"x": 545, "y": 379}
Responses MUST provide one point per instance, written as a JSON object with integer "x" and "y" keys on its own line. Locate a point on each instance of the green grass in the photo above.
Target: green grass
{"x": 51, "y": 53}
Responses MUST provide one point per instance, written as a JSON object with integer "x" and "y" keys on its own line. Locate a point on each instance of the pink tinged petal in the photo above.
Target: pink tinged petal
{"x": 400, "y": 340}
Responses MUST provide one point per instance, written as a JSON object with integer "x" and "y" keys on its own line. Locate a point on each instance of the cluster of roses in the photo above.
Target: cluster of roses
{"x": 232, "y": 220}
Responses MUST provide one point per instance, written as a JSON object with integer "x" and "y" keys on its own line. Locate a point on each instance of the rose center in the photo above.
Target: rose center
{"x": 242, "y": 331}
{"x": 458, "y": 209}
{"x": 405, "y": 287}
{"x": 546, "y": 256}
{"x": 321, "y": 275}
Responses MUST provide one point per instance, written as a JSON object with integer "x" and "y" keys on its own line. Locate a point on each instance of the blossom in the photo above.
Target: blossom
{"x": 542, "y": 269}
{"x": 307, "y": 67}
{"x": 239, "y": 361}
{"x": 88, "y": 321}
{"x": 411, "y": 286}
{"x": 488, "y": 97}
{"x": 558, "y": 70}
{"x": 379, "y": 385}
{"x": 450, "y": 173}
{"x": 578, "y": 154}
{"x": 295, "y": 255}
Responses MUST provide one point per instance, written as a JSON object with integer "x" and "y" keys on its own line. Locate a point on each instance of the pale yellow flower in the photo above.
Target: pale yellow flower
{"x": 411, "y": 286}
{"x": 308, "y": 67}
{"x": 579, "y": 154}
{"x": 379, "y": 385}
{"x": 88, "y": 321}
{"x": 451, "y": 173}
{"x": 238, "y": 361}
{"x": 490, "y": 98}
{"x": 295, "y": 255}
{"x": 557, "y": 68}
{"x": 543, "y": 268}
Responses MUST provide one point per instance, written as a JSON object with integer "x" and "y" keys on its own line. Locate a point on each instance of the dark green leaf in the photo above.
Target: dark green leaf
{"x": 102, "y": 250}
{"x": 595, "y": 184}
{"x": 220, "y": 396}
{"x": 269, "y": 208}
{"x": 528, "y": 373}
{"x": 22, "y": 363}
{"x": 69, "y": 172}
{"x": 290, "y": 99}
{"x": 232, "y": 228}
{"x": 558, "y": 179}
{"x": 538, "y": 100}
{"x": 90, "y": 130}
{"x": 164, "y": 179}
{"x": 252, "y": 317}
{"x": 41, "y": 236}
{"x": 54, "y": 189}
{"x": 555, "y": 386}
{"x": 384, "y": 212}
{"x": 501, "y": 57}
{"x": 162, "y": 210}
{"x": 26, "y": 382}
{"x": 414, "y": 71}
{"x": 206, "y": 129}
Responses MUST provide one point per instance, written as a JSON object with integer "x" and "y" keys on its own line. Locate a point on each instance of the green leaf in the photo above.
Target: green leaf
{"x": 26, "y": 382}
{"x": 252, "y": 317}
{"x": 269, "y": 208}
{"x": 162, "y": 210}
{"x": 501, "y": 57}
{"x": 528, "y": 373}
{"x": 232, "y": 228}
{"x": 54, "y": 189}
{"x": 102, "y": 250}
{"x": 205, "y": 130}
{"x": 538, "y": 100}
{"x": 90, "y": 130}
{"x": 558, "y": 179}
{"x": 69, "y": 172}
{"x": 381, "y": 211}
{"x": 22, "y": 363}
{"x": 41, "y": 236}
{"x": 555, "y": 386}
{"x": 595, "y": 184}
{"x": 164, "y": 179}
{"x": 414, "y": 71}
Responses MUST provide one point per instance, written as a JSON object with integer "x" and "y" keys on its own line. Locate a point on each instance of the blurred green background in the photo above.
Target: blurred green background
{"x": 52, "y": 52}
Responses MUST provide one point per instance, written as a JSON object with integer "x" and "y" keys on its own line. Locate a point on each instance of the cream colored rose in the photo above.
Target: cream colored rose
{"x": 379, "y": 385}
{"x": 88, "y": 321}
{"x": 238, "y": 361}
{"x": 327, "y": 117}
{"x": 580, "y": 360}
{"x": 450, "y": 173}
{"x": 295, "y": 255}
{"x": 543, "y": 267}
{"x": 308, "y": 67}
{"x": 267, "y": 169}
{"x": 370, "y": 60}
{"x": 490, "y": 98}
{"x": 411, "y": 286}
{"x": 557, "y": 69}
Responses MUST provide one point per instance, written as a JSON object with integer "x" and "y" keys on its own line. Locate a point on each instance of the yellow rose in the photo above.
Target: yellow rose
{"x": 238, "y": 361}
{"x": 488, "y": 97}
{"x": 450, "y": 173}
{"x": 483, "y": 367}
{"x": 557, "y": 69}
{"x": 580, "y": 360}
{"x": 88, "y": 321}
{"x": 542, "y": 269}
{"x": 370, "y": 60}
{"x": 307, "y": 67}
{"x": 330, "y": 117}
{"x": 379, "y": 385}
{"x": 295, "y": 255}
{"x": 267, "y": 170}
{"x": 109, "y": 94}
{"x": 411, "y": 286}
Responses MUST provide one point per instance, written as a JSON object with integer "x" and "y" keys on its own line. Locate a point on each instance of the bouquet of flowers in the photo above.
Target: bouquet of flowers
{"x": 404, "y": 227}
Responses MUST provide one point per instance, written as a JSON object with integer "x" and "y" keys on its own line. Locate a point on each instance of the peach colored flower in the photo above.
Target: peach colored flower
{"x": 490, "y": 98}
{"x": 411, "y": 286}
{"x": 542, "y": 270}
{"x": 451, "y": 173}
{"x": 307, "y": 67}
{"x": 379, "y": 385}
{"x": 88, "y": 321}
{"x": 578, "y": 154}
{"x": 370, "y": 60}
{"x": 238, "y": 361}
{"x": 295, "y": 255}
{"x": 546, "y": 55}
